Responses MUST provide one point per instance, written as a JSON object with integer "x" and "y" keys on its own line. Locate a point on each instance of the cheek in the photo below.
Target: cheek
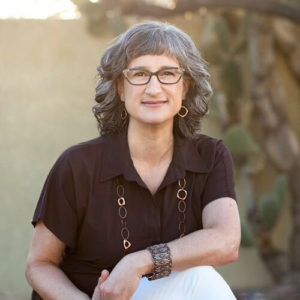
{"x": 132, "y": 92}
{"x": 180, "y": 92}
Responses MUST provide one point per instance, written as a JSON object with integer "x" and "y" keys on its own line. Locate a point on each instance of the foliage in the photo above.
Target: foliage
{"x": 270, "y": 204}
{"x": 239, "y": 141}
{"x": 247, "y": 239}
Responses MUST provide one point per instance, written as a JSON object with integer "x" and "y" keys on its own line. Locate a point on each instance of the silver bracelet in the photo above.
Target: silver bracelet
{"x": 161, "y": 257}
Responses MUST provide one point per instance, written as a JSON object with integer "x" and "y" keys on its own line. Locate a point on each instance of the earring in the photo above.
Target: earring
{"x": 124, "y": 114}
{"x": 183, "y": 113}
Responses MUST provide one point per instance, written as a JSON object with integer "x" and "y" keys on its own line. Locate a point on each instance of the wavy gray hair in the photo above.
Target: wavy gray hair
{"x": 155, "y": 38}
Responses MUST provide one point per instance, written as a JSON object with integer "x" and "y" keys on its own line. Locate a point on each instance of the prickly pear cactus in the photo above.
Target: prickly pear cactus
{"x": 239, "y": 141}
{"x": 247, "y": 239}
{"x": 270, "y": 204}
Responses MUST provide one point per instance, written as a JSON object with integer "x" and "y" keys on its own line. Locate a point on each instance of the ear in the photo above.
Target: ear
{"x": 120, "y": 88}
{"x": 186, "y": 86}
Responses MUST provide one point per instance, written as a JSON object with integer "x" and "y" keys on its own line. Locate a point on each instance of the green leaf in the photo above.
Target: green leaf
{"x": 239, "y": 141}
{"x": 247, "y": 239}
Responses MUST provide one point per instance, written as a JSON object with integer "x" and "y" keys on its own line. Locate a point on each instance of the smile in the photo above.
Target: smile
{"x": 153, "y": 103}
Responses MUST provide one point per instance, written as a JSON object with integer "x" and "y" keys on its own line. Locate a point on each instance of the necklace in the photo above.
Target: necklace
{"x": 181, "y": 206}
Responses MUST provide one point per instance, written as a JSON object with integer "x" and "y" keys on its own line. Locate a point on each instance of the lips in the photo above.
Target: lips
{"x": 153, "y": 102}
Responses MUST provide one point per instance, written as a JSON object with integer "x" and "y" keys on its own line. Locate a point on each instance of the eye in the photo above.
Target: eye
{"x": 139, "y": 73}
{"x": 169, "y": 73}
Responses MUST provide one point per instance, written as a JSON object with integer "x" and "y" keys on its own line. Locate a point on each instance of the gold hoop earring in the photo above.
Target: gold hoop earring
{"x": 183, "y": 114}
{"x": 124, "y": 114}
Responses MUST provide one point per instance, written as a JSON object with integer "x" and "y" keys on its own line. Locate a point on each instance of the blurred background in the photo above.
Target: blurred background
{"x": 49, "y": 51}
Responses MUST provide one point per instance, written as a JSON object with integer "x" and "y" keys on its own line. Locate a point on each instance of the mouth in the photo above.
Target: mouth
{"x": 154, "y": 103}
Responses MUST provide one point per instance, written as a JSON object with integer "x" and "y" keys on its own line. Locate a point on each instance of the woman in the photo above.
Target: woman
{"x": 150, "y": 195}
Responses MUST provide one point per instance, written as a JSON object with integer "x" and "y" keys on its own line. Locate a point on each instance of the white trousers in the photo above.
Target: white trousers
{"x": 202, "y": 282}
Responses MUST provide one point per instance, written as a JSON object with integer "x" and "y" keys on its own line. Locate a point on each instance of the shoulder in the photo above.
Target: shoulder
{"x": 212, "y": 146}
{"x": 208, "y": 150}
{"x": 86, "y": 147}
{"x": 87, "y": 152}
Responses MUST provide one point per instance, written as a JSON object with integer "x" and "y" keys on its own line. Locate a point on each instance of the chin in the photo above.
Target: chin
{"x": 156, "y": 121}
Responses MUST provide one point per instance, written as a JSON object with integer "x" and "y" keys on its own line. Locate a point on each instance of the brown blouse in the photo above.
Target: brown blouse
{"x": 78, "y": 202}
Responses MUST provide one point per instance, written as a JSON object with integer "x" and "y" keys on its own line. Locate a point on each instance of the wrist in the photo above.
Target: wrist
{"x": 142, "y": 260}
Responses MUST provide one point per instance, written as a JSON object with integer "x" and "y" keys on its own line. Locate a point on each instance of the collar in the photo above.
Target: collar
{"x": 189, "y": 155}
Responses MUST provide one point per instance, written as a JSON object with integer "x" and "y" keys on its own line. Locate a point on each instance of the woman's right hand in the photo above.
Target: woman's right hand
{"x": 102, "y": 278}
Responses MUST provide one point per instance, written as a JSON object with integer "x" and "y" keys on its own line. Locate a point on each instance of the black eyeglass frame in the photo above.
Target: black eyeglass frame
{"x": 125, "y": 71}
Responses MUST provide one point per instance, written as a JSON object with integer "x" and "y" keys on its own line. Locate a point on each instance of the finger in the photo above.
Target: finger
{"x": 103, "y": 277}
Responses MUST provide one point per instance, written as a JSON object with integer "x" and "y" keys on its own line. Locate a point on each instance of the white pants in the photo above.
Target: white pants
{"x": 202, "y": 282}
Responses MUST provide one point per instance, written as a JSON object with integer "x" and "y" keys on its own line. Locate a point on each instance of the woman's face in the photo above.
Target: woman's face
{"x": 154, "y": 102}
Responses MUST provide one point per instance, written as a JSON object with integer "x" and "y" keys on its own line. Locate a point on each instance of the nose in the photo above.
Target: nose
{"x": 153, "y": 86}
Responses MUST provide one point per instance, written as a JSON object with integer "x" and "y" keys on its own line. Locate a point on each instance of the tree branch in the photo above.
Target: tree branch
{"x": 269, "y": 7}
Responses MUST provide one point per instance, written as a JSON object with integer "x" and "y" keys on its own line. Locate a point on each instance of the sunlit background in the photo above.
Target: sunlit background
{"x": 38, "y": 9}
{"x": 51, "y": 9}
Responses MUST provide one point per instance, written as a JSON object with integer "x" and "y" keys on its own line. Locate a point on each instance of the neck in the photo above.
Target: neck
{"x": 150, "y": 144}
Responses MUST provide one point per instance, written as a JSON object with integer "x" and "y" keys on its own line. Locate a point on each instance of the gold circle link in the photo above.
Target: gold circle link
{"x": 182, "y": 184}
{"x": 120, "y": 190}
{"x": 122, "y": 212}
{"x": 181, "y": 206}
{"x": 179, "y": 194}
{"x": 182, "y": 217}
{"x": 124, "y": 231}
{"x": 181, "y": 227}
{"x": 121, "y": 201}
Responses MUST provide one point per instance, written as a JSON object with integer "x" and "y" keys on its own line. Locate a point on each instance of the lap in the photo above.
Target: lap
{"x": 202, "y": 282}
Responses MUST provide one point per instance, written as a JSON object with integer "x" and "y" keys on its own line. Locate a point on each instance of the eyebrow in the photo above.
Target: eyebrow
{"x": 145, "y": 68}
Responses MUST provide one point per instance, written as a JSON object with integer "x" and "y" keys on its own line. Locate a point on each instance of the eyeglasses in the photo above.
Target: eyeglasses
{"x": 137, "y": 76}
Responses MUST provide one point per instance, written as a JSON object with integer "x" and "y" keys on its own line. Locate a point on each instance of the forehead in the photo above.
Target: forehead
{"x": 153, "y": 62}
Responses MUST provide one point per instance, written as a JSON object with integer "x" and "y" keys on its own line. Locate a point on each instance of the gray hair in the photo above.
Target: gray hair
{"x": 154, "y": 38}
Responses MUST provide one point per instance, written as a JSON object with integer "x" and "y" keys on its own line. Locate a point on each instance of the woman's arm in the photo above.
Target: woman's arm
{"x": 216, "y": 244}
{"x": 42, "y": 270}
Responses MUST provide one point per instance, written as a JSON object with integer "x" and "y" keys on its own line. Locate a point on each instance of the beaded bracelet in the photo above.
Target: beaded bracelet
{"x": 162, "y": 261}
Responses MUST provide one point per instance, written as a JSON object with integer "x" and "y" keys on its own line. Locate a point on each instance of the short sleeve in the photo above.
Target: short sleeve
{"x": 220, "y": 179}
{"x": 56, "y": 205}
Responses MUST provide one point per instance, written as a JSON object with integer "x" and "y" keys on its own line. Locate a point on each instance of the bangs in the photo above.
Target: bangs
{"x": 154, "y": 42}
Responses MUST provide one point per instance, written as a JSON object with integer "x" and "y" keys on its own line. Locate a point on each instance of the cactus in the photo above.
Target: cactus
{"x": 247, "y": 239}
{"x": 270, "y": 205}
{"x": 231, "y": 79}
{"x": 280, "y": 187}
{"x": 239, "y": 141}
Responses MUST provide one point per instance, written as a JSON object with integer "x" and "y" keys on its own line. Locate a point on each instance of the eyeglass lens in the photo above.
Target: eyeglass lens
{"x": 167, "y": 75}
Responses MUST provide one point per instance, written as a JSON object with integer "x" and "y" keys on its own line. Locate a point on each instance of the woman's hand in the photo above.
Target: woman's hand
{"x": 102, "y": 278}
{"x": 124, "y": 279}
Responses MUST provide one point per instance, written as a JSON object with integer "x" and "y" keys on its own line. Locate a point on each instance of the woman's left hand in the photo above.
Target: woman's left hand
{"x": 124, "y": 279}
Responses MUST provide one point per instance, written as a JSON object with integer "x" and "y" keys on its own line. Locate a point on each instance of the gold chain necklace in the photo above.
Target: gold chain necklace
{"x": 181, "y": 196}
